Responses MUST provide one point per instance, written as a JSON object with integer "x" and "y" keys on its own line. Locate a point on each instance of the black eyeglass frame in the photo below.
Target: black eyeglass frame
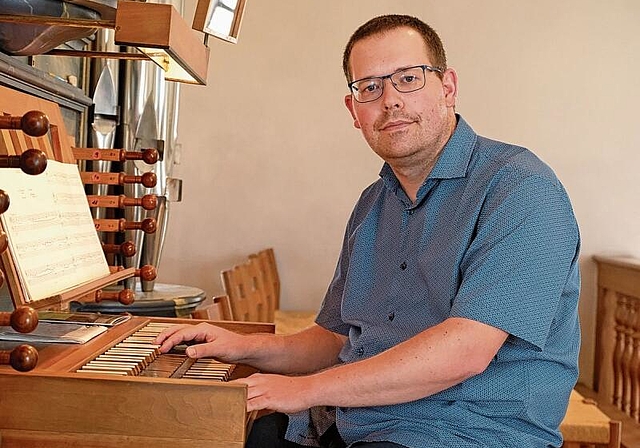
{"x": 424, "y": 68}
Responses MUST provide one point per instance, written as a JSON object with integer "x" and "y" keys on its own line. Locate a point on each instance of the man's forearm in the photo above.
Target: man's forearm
{"x": 308, "y": 351}
{"x": 430, "y": 362}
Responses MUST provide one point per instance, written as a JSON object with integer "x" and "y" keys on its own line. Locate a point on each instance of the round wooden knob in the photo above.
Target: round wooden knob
{"x": 35, "y": 123}
{"x": 150, "y": 156}
{"x": 4, "y": 201}
{"x": 33, "y": 161}
{"x": 125, "y": 296}
{"x": 149, "y": 180}
{"x": 147, "y": 273}
{"x": 23, "y": 358}
{"x": 24, "y": 319}
{"x": 149, "y": 225}
{"x": 149, "y": 201}
{"x": 128, "y": 249}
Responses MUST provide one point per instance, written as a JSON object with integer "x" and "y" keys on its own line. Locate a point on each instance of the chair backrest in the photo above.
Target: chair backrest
{"x": 243, "y": 284}
{"x": 270, "y": 282}
{"x": 215, "y": 308}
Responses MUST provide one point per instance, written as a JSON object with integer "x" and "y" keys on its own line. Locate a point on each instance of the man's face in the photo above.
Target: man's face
{"x": 402, "y": 128}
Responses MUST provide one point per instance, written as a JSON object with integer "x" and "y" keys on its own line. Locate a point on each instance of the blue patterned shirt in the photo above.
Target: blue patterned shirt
{"x": 491, "y": 237}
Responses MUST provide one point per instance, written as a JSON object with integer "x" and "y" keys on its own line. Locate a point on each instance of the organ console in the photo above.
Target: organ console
{"x": 117, "y": 390}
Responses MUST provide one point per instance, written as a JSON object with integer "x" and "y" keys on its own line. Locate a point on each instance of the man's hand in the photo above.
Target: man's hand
{"x": 288, "y": 394}
{"x": 213, "y": 341}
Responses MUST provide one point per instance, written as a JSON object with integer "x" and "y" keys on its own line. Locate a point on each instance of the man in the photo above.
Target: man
{"x": 451, "y": 320}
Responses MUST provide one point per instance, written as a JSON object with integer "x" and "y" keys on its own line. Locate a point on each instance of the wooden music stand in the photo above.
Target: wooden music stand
{"x": 57, "y": 146}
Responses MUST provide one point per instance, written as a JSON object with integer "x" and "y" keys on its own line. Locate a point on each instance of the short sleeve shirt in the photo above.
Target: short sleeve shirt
{"x": 491, "y": 237}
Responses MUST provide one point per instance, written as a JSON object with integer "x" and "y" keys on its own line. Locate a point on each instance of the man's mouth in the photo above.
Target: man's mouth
{"x": 395, "y": 125}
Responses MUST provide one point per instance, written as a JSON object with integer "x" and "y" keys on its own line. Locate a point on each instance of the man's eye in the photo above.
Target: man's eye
{"x": 408, "y": 79}
{"x": 371, "y": 87}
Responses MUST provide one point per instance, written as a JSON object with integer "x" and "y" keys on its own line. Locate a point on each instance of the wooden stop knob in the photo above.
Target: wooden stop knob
{"x": 149, "y": 225}
{"x": 35, "y": 123}
{"x": 33, "y": 161}
{"x": 24, "y": 319}
{"x": 125, "y": 296}
{"x": 149, "y": 201}
{"x": 149, "y": 180}
{"x": 147, "y": 273}
{"x": 23, "y": 358}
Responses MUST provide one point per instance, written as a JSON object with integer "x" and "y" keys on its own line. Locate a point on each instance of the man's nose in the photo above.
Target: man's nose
{"x": 391, "y": 98}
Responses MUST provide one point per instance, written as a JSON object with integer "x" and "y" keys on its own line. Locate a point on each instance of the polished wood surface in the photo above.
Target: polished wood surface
{"x": 51, "y": 406}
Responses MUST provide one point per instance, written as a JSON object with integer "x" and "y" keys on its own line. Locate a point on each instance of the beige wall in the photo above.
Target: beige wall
{"x": 270, "y": 156}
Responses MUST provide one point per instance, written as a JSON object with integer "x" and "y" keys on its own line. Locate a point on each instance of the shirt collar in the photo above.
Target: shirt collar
{"x": 452, "y": 162}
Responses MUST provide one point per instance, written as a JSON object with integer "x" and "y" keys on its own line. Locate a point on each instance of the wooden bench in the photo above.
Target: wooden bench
{"x": 585, "y": 425}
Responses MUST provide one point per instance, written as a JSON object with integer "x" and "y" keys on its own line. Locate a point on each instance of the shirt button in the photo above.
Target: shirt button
{"x": 403, "y": 266}
{"x": 360, "y": 351}
{"x": 391, "y": 316}
{"x": 411, "y": 212}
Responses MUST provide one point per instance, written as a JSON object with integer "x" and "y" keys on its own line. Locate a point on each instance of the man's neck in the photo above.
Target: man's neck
{"x": 411, "y": 178}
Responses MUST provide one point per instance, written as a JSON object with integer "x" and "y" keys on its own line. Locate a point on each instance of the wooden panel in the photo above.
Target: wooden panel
{"x": 157, "y": 408}
{"x": 53, "y": 407}
{"x": 42, "y": 439}
{"x": 17, "y": 103}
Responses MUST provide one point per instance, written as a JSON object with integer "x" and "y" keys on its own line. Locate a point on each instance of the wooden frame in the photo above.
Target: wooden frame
{"x": 206, "y": 11}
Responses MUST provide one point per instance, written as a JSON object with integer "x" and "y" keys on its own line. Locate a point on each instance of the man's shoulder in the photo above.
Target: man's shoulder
{"x": 496, "y": 159}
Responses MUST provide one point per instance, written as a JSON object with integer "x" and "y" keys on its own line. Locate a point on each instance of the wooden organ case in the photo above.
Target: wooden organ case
{"x": 61, "y": 404}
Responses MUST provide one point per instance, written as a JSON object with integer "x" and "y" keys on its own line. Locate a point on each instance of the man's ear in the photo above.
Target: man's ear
{"x": 450, "y": 86}
{"x": 348, "y": 101}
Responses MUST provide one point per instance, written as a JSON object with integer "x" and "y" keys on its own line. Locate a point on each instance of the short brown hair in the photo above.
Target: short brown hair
{"x": 381, "y": 24}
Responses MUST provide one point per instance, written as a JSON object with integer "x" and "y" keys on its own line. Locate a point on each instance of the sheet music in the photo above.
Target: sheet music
{"x": 50, "y": 230}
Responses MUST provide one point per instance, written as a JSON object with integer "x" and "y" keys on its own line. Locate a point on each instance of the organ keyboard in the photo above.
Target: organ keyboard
{"x": 117, "y": 390}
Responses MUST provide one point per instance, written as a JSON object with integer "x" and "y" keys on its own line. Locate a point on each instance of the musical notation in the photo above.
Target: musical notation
{"x": 50, "y": 231}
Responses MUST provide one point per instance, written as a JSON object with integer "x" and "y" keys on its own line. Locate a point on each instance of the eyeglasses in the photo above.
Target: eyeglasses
{"x": 404, "y": 80}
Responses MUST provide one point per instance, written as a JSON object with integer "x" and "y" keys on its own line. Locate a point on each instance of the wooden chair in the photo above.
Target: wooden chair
{"x": 215, "y": 308}
{"x": 265, "y": 262}
{"x": 286, "y": 321}
{"x": 243, "y": 284}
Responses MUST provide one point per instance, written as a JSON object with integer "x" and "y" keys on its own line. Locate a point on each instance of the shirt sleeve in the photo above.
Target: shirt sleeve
{"x": 521, "y": 258}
